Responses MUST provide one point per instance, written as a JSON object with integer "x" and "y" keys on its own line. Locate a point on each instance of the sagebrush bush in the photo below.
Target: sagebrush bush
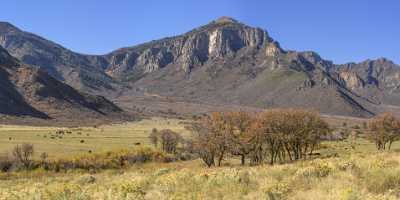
{"x": 317, "y": 169}
{"x": 111, "y": 159}
{"x": 350, "y": 194}
{"x": 93, "y": 161}
{"x": 6, "y": 163}
{"x": 383, "y": 180}
{"x": 278, "y": 191}
{"x": 329, "y": 178}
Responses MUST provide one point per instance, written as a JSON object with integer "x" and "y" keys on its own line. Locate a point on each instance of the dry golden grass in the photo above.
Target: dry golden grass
{"x": 103, "y": 138}
{"x": 359, "y": 171}
{"x": 357, "y": 176}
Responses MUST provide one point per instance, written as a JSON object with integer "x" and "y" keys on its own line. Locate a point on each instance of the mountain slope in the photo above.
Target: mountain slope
{"x": 378, "y": 80}
{"x": 31, "y": 92}
{"x": 83, "y": 72}
{"x": 222, "y": 63}
{"x": 226, "y": 62}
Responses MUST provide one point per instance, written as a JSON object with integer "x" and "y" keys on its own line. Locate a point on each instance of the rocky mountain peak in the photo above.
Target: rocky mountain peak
{"x": 382, "y": 61}
{"x": 222, "y": 38}
{"x": 225, "y": 19}
{"x": 7, "y": 27}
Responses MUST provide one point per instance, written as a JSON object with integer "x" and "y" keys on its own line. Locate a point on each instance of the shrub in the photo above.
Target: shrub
{"x": 350, "y": 194}
{"x": 22, "y": 154}
{"x": 278, "y": 191}
{"x": 132, "y": 190}
{"x": 383, "y": 180}
{"x": 318, "y": 169}
{"x": 86, "y": 179}
{"x": 6, "y": 163}
{"x": 169, "y": 140}
{"x": 111, "y": 159}
{"x": 356, "y": 127}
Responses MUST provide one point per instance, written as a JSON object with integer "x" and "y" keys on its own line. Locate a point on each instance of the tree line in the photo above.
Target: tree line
{"x": 276, "y": 135}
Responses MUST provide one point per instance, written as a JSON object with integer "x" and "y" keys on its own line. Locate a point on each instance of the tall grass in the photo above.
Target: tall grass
{"x": 359, "y": 176}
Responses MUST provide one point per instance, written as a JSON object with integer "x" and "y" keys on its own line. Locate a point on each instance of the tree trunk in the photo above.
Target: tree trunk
{"x": 243, "y": 160}
{"x": 220, "y": 158}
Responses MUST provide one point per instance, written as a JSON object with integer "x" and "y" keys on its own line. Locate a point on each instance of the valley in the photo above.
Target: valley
{"x": 176, "y": 103}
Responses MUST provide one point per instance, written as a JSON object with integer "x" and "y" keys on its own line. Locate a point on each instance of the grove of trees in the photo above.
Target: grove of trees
{"x": 276, "y": 135}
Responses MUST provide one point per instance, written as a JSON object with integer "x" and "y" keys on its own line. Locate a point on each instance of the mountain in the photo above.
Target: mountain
{"x": 83, "y": 72}
{"x": 378, "y": 80}
{"x": 227, "y": 62}
{"x": 224, "y": 64}
{"x": 27, "y": 91}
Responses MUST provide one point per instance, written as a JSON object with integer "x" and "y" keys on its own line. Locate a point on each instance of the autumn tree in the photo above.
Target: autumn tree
{"x": 169, "y": 140}
{"x": 239, "y": 138}
{"x": 212, "y": 138}
{"x": 384, "y": 129}
{"x": 289, "y": 133}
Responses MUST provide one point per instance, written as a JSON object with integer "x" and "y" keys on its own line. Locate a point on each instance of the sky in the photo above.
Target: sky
{"x": 339, "y": 30}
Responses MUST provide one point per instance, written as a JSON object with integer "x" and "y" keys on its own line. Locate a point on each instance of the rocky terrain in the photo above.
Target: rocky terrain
{"x": 29, "y": 92}
{"x": 224, "y": 64}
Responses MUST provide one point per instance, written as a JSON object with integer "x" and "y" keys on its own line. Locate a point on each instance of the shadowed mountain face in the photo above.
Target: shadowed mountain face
{"x": 80, "y": 71}
{"x": 29, "y": 91}
{"x": 224, "y": 63}
{"x": 11, "y": 101}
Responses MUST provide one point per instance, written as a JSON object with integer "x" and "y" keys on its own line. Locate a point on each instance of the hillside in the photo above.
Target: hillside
{"x": 223, "y": 64}
{"x": 27, "y": 91}
{"x": 82, "y": 72}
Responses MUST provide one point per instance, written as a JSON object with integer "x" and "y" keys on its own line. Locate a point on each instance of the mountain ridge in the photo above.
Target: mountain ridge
{"x": 29, "y": 92}
{"x": 221, "y": 59}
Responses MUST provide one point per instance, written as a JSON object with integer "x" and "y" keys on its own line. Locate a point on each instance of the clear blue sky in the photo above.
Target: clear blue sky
{"x": 339, "y": 30}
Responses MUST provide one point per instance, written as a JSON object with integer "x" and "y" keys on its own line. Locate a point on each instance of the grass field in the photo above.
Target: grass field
{"x": 350, "y": 177}
{"x": 108, "y": 137}
{"x": 345, "y": 170}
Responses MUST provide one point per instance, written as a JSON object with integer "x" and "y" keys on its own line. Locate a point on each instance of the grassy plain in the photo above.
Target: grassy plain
{"x": 84, "y": 139}
{"x": 349, "y": 177}
{"x": 345, "y": 170}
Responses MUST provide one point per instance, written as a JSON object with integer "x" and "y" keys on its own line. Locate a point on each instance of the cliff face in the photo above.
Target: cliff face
{"x": 226, "y": 62}
{"x": 380, "y": 80}
{"x": 217, "y": 40}
{"x": 351, "y": 80}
